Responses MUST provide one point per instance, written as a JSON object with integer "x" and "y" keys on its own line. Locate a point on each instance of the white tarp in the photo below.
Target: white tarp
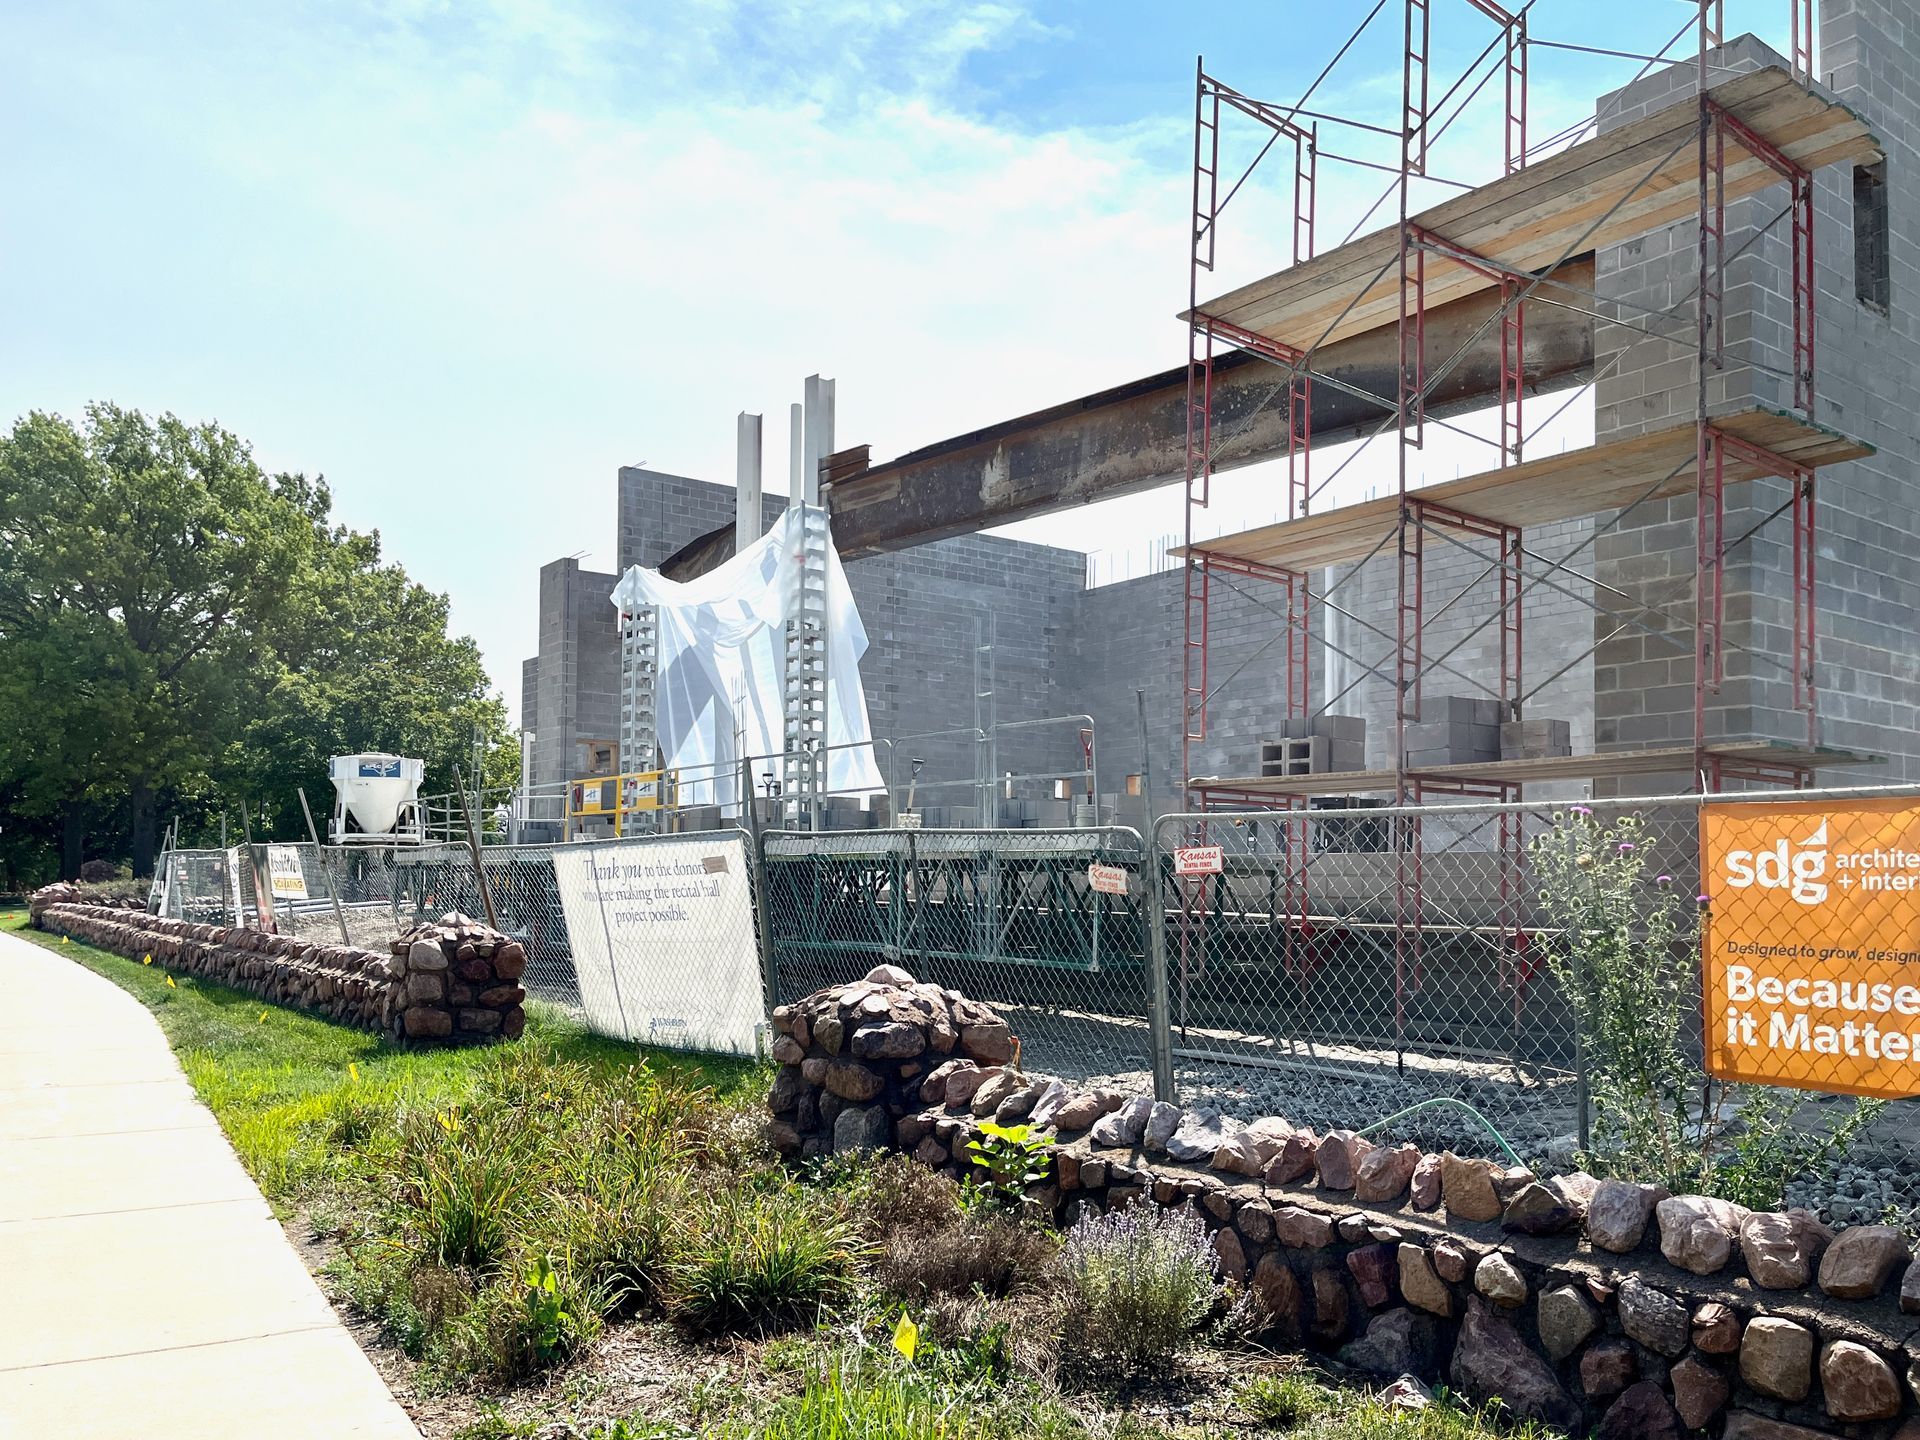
{"x": 662, "y": 938}
{"x": 722, "y": 659}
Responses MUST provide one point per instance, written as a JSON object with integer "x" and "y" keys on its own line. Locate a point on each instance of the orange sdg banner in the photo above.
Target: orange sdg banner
{"x": 1811, "y": 944}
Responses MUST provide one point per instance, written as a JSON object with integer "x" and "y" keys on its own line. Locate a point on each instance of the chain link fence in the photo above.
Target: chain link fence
{"x": 1009, "y": 918}
{"x": 1463, "y": 975}
{"x": 1470, "y": 973}
{"x": 1339, "y": 967}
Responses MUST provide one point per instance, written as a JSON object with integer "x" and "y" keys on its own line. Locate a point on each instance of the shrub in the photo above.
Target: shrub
{"x": 1141, "y": 1280}
{"x": 1278, "y": 1400}
{"x": 1622, "y": 942}
{"x": 1014, "y": 1157}
{"x": 97, "y": 872}
{"x": 890, "y": 1193}
{"x": 519, "y": 1324}
{"x": 623, "y": 1237}
{"x": 759, "y": 1262}
{"x": 990, "y": 1257}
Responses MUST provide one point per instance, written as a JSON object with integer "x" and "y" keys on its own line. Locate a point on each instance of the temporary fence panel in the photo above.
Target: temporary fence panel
{"x": 1011, "y": 918}
{"x": 663, "y": 939}
{"x": 1341, "y": 967}
{"x": 649, "y": 938}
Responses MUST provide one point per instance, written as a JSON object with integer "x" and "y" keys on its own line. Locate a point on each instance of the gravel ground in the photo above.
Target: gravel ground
{"x": 1335, "y": 1088}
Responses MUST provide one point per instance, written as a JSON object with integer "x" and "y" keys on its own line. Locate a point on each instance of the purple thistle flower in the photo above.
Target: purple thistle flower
{"x": 1663, "y": 879}
{"x": 1581, "y": 810}
{"x": 1625, "y": 846}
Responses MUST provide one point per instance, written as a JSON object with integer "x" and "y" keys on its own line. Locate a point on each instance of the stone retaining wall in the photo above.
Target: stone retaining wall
{"x": 1587, "y": 1304}
{"x": 451, "y": 981}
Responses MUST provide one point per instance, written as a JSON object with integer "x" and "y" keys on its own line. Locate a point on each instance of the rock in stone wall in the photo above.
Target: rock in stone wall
{"x": 855, "y": 1059}
{"x": 1596, "y": 1306}
{"x": 59, "y": 893}
{"x": 453, "y": 981}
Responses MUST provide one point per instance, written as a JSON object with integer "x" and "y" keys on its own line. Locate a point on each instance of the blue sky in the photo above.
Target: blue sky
{"x": 466, "y": 259}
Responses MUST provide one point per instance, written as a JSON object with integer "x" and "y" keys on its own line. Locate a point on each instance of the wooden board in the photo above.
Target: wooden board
{"x": 1561, "y": 207}
{"x": 1555, "y": 487}
{"x": 1659, "y": 761}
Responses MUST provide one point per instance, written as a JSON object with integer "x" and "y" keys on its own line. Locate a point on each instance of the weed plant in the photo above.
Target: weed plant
{"x": 1621, "y": 941}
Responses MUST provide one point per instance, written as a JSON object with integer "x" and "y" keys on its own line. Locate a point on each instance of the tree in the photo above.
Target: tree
{"x": 360, "y": 659}
{"x": 176, "y": 623}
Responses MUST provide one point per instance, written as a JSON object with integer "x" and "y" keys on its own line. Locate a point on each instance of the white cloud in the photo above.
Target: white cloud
{"x": 468, "y": 259}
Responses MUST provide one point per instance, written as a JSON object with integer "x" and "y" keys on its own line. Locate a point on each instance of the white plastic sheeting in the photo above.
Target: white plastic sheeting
{"x": 718, "y": 694}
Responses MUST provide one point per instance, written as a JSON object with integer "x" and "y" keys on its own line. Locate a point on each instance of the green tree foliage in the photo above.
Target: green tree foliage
{"x": 180, "y": 629}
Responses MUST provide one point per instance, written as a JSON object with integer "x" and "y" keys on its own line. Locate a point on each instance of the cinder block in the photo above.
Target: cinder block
{"x": 1442, "y": 709}
{"x": 1341, "y": 727}
{"x": 1462, "y": 739}
{"x": 1535, "y": 739}
{"x": 1346, "y": 755}
{"x": 1294, "y": 757}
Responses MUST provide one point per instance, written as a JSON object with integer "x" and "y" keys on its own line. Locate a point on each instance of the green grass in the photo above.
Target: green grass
{"x": 299, "y": 1097}
{"x": 1300, "y": 1407}
{"x": 495, "y": 1208}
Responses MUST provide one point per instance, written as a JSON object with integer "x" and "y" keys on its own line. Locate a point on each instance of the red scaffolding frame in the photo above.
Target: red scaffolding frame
{"x": 1406, "y": 415}
{"x": 1414, "y": 244}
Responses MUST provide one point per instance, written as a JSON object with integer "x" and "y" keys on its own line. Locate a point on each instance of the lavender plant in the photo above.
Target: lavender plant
{"x": 1142, "y": 1281}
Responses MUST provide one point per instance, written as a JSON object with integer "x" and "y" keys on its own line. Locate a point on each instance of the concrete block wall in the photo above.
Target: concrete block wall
{"x": 1557, "y": 675}
{"x": 1867, "y": 516}
{"x": 577, "y": 672}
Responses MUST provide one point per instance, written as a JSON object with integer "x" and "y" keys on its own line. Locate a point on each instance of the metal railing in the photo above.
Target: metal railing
{"x": 1010, "y": 918}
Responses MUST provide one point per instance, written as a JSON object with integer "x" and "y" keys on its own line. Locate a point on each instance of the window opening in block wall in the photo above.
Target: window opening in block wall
{"x": 1872, "y": 267}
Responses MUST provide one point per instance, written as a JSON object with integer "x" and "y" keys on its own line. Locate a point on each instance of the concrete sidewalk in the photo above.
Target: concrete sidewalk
{"x": 148, "y": 1289}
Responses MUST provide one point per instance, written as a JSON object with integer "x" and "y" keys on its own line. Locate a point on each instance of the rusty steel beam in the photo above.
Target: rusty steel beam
{"x": 1133, "y": 437}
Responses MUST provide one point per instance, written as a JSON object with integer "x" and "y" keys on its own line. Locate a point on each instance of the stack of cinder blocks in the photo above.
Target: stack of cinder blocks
{"x": 1316, "y": 745}
{"x": 1454, "y": 730}
{"x": 1535, "y": 739}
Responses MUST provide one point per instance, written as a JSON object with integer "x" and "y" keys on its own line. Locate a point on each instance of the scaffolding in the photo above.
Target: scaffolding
{"x": 1513, "y": 239}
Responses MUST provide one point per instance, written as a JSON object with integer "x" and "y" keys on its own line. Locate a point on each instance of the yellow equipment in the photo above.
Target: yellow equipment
{"x": 616, "y": 797}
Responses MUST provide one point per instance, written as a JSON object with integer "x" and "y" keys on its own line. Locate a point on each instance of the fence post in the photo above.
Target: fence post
{"x": 757, "y": 877}
{"x": 1582, "y": 1097}
{"x": 1159, "y": 1018}
{"x": 326, "y": 869}
{"x": 473, "y": 847}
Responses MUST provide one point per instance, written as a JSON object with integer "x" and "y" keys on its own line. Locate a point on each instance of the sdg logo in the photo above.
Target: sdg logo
{"x": 1800, "y": 870}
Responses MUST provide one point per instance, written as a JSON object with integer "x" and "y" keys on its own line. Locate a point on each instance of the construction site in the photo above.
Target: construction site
{"x": 1319, "y": 752}
{"x": 1708, "y": 259}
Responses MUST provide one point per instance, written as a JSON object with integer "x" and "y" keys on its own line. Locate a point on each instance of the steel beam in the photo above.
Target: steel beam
{"x": 1133, "y": 437}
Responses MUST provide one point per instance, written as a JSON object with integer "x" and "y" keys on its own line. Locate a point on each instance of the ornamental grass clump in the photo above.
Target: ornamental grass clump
{"x": 1142, "y": 1281}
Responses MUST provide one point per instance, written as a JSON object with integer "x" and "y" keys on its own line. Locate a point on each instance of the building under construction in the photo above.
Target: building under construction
{"x": 1718, "y": 593}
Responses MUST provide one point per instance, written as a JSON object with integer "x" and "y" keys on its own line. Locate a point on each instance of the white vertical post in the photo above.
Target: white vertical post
{"x": 746, "y": 503}
{"x": 819, "y": 439}
{"x": 797, "y": 482}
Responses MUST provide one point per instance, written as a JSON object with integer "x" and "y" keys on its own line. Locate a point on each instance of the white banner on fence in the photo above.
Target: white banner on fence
{"x": 287, "y": 875}
{"x": 663, "y": 942}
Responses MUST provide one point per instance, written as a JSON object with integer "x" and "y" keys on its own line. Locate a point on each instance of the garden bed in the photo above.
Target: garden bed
{"x": 569, "y": 1237}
